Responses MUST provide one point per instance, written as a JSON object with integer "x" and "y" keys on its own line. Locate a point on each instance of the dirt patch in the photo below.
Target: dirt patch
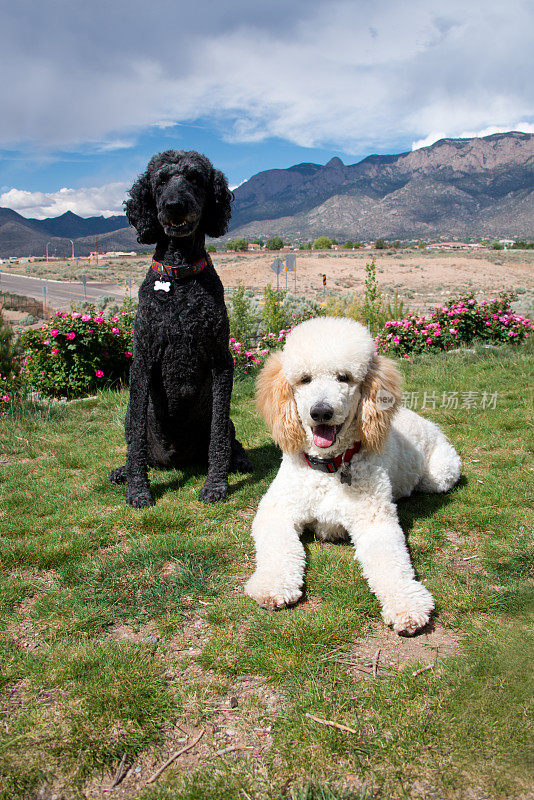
{"x": 235, "y": 713}
{"x": 396, "y": 652}
{"x": 458, "y": 558}
{"x": 22, "y": 628}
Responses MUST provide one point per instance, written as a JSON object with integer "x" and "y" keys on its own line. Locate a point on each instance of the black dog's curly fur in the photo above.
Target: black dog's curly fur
{"x": 182, "y": 371}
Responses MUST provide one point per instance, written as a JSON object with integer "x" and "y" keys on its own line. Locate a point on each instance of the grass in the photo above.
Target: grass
{"x": 121, "y": 629}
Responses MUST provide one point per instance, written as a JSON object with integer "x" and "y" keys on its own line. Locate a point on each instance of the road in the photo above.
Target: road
{"x": 60, "y": 294}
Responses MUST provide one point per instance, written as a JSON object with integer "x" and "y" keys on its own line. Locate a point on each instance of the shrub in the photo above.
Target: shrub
{"x": 8, "y": 349}
{"x": 322, "y": 243}
{"x": 275, "y": 243}
{"x": 305, "y": 246}
{"x": 211, "y": 248}
{"x": 273, "y": 311}
{"x": 77, "y": 353}
{"x": 380, "y": 244}
{"x": 245, "y": 360}
{"x": 243, "y": 323}
{"x": 460, "y": 321}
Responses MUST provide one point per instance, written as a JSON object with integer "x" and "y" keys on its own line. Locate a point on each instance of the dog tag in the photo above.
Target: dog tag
{"x": 164, "y": 286}
{"x": 345, "y": 475}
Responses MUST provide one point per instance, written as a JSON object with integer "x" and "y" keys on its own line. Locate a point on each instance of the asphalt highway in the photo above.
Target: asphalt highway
{"x": 59, "y": 294}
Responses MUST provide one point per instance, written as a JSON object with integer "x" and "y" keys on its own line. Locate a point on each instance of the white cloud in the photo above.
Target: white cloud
{"x": 524, "y": 127}
{"x": 86, "y": 202}
{"x": 345, "y": 74}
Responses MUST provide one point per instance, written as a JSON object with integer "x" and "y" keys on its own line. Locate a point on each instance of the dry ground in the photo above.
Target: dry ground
{"x": 419, "y": 277}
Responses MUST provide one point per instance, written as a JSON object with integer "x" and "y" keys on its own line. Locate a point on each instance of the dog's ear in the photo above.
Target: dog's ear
{"x": 217, "y": 211}
{"x": 381, "y": 395}
{"x": 275, "y": 401}
{"x": 142, "y": 212}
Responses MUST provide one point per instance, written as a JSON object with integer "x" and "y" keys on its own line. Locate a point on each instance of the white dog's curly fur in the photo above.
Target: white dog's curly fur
{"x": 329, "y": 368}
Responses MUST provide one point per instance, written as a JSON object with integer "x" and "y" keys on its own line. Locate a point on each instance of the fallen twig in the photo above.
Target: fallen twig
{"x": 375, "y": 662}
{"x": 174, "y": 756}
{"x": 423, "y": 669}
{"x": 331, "y": 724}
{"x": 119, "y": 775}
{"x": 226, "y": 750}
{"x": 469, "y": 558}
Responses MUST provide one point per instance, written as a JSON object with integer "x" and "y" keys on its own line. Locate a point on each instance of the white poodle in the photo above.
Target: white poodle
{"x": 349, "y": 451}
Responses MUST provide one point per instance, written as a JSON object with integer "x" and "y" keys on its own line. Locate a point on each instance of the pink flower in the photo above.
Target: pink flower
{"x": 429, "y": 340}
{"x": 71, "y": 335}
{"x": 471, "y": 302}
{"x": 127, "y": 354}
{"x": 99, "y": 373}
{"x": 396, "y": 339}
{"x": 54, "y": 352}
{"x": 46, "y": 341}
{"x": 488, "y": 323}
{"x": 6, "y": 398}
{"x": 75, "y": 315}
{"x": 114, "y": 330}
{"x": 86, "y": 318}
{"x": 54, "y": 332}
{"x": 114, "y": 319}
{"x": 452, "y": 330}
{"x": 99, "y": 319}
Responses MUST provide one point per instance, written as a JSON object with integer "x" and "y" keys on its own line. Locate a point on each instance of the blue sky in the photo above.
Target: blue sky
{"x": 92, "y": 89}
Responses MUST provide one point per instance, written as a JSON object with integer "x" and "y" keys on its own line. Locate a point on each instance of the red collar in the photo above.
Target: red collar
{"x": 332, "y": 464}
{"x": 183, "y": 271}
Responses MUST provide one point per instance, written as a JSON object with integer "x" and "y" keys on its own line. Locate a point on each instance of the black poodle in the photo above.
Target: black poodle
{"x": 182, "y": 370}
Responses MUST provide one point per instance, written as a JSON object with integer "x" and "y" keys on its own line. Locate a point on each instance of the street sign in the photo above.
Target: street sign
{"x": 277, "y": 266}
{"x": 291, "y": 262}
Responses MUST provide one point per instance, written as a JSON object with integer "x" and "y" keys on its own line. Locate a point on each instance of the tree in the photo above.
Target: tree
{"x": 257, "y": 241}
{"x": 275, "y": 243}
{"x": 349, "y": 244}
{"x": 211, "y": 248}
{"x": 322, "y": 243}
{"x": 237, "y": 244}
{"x": 380, "y": 244}
{"x": 306, "y": 246}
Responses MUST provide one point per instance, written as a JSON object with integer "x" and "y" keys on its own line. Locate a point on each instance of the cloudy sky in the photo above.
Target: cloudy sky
{"x": 92, "y": 88}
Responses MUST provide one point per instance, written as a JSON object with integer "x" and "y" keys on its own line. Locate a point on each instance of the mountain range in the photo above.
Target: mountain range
{"x": 455, "y": 188}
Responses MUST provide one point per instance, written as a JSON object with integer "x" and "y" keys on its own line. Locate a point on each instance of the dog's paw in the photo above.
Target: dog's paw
{"x": 139, "y": 498}
{"x": 118, "y": 475}
{"x": 213, "y": 493}
{"x": 408, "y": 612}
{"x": 272, "y": 591}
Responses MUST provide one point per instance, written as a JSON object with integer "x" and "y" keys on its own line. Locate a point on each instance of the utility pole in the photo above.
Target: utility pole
{"x": 72, "y": 243}
{"x": 96, "y": 250}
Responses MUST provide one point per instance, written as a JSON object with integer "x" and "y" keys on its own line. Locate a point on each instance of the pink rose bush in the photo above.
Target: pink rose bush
{"x": 72, "y": 356}
{"x": 461, "y": 321}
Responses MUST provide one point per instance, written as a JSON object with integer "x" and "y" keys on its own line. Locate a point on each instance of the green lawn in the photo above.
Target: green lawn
{"x": 124, "y": 632}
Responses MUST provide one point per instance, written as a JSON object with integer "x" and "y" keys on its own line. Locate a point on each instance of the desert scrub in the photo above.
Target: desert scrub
{"x": 77, "y": 353}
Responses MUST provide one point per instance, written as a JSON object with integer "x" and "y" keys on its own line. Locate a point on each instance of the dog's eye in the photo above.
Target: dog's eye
{"x": 305, "y": 379}
{"x": 343, "y": 377}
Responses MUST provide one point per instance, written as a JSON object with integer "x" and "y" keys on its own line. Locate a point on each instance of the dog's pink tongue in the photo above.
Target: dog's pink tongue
{"x": 324, "y": 435}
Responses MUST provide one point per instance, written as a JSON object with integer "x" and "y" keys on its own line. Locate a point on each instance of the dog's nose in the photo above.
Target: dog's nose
{"x": 321, "y": 412}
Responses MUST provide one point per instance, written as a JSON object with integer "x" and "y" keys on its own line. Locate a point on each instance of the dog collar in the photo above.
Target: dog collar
{"x": 183, "y": 271}
{"x": 332, "y": 465}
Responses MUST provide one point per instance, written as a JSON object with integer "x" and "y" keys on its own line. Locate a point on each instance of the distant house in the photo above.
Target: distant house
{"x": 449, "y": 246}
{"x": 507, "y": 242}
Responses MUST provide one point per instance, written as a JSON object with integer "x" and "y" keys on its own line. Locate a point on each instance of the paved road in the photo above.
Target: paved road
{"x": 60, "y": 294}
